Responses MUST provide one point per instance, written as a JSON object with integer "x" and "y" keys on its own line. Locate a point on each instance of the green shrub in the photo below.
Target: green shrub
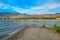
{"x": 56, "y": 28}
{"x": 44, "y": 26}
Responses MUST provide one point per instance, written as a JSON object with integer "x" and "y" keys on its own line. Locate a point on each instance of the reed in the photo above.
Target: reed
{"x": 44, "y": 26}
{"x": 55, "y": 28}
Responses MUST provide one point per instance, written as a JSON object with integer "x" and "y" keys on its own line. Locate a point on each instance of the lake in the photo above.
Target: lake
{"x": 8, "y": 26}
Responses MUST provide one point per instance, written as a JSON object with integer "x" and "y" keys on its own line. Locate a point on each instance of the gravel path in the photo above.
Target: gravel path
{"x": 34, "y": 33}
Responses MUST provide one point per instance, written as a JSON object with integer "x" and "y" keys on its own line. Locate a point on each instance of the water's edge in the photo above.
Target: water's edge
{"x": 10, "y": 35}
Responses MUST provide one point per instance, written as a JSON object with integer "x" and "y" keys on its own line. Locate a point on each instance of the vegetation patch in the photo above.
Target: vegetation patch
{"x": 1, "y": 36}
{"x": 44, "y": 26}
{"x": 55, "y": 28}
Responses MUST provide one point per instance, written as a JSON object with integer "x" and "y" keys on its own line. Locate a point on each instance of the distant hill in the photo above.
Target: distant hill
{"x": 8, "y": 13}
{"x": 57, "y": 13}
{"x": 11, "y": 14}
{"x": 24, "y": 15}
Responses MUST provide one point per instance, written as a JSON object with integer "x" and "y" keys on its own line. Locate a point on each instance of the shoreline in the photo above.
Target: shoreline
{"x": 32, "y": 31}
{"x": 29, "y": 32}
{"x": 13, "y": 33}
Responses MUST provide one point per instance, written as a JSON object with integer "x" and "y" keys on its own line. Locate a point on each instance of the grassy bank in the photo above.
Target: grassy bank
{"x": 55, "y": 28}
{"x": 28, "y": 18}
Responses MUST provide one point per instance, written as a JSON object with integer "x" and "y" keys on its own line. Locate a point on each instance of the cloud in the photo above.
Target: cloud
{"x": 32, "y": 10}
{"x": 4, "y": 6}
{"x": 14, "y": 8}
{"x": 44, "y": 8}
{"x": 20, "y": 10}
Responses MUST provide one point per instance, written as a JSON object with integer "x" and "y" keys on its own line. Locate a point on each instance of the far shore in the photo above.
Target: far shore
{"x": 25, "y": 19}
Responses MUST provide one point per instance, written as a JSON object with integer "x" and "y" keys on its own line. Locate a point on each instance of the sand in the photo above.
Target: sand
{"x": 35, "y": 33}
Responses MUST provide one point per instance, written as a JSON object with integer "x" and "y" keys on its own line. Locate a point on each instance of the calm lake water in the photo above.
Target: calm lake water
{"x": 8, "y": 26}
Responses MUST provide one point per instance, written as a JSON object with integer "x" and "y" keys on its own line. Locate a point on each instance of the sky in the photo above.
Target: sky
{"x": 30, "y": 6}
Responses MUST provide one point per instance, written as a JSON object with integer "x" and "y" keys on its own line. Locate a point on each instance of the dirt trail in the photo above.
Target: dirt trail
{"x": 34, "y": 33}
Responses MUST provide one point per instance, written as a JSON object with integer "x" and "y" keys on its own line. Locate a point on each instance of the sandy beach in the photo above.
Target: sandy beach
{"x": 35, "y": 33}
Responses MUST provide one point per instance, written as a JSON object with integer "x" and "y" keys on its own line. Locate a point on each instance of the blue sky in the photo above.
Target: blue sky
{"x": 30, "y": 6}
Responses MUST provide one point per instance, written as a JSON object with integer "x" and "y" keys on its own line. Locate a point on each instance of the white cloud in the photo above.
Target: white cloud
{"x": 33, "y": 10}
{"x": 20, "y": 10}
{"x": 17, "y": 9}
{"x": 44, "y": 8}
{"x": 4, "y": 6}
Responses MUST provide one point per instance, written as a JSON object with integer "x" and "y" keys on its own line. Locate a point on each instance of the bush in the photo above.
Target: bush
{"x": 56, "y": 28}
{"x": 44, "y": 26}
